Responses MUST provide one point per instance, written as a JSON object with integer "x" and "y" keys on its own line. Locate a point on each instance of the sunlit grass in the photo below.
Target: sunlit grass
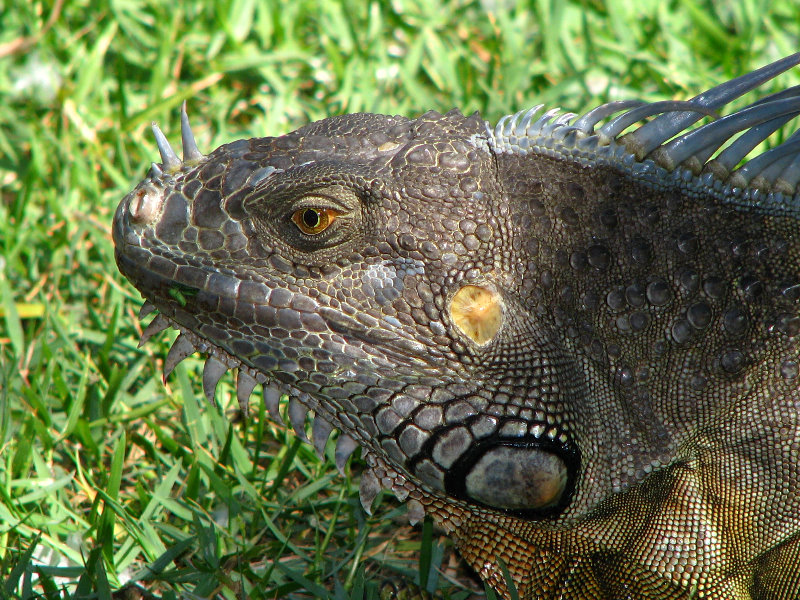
{"x": 107, "y": 476}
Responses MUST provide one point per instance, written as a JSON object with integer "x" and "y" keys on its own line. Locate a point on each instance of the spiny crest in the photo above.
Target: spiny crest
{"x": 659, "y": 147}
{"x": 218, "y": 363}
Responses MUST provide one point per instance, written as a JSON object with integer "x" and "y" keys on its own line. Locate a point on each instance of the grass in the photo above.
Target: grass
{"x": 108, "y": 476}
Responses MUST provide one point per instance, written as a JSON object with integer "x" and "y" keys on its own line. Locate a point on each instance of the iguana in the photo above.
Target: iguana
{"x": 571, "y": 342}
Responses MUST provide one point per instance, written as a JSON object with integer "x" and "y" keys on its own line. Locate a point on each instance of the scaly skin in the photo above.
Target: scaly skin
{"x": 577, "y": 351}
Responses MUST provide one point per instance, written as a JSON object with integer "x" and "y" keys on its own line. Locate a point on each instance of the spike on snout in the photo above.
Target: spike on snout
{"x": 169, "y": 159}
{"x": 191, "y": 153}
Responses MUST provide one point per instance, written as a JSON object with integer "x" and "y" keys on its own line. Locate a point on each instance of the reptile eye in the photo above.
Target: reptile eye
{"x": 313, "y": 221}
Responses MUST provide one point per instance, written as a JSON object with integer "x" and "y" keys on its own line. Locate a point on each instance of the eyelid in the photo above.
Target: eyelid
{"x": 322, "y": 202}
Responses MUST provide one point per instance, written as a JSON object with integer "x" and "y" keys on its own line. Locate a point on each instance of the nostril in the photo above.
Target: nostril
{"x": 145, "y": 204}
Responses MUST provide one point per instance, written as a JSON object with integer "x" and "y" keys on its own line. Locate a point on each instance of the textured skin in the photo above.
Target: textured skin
{"x": 630, "y": 419}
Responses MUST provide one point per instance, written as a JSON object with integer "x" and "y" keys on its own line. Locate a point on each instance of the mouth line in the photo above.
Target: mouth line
{"x": 398, "y": 349}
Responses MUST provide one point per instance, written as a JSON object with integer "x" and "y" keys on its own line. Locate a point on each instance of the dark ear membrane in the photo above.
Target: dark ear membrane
{"x": 530, "y": 477}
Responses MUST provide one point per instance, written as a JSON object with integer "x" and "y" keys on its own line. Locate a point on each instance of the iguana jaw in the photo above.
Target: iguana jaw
{"x": 462, "y": 520}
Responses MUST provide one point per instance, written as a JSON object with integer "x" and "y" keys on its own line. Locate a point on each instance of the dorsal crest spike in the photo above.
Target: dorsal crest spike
{"x": 587, "y": 121}
{"x": 668, "y": 141}
{"x": 615, "y": 127}
{"x": 714, "y": 134}
{"x": 655, "y": 133}
{"x": 169, "y": 159}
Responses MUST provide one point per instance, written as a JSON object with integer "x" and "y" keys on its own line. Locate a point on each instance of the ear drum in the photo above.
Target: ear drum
{"x": 530, "y": 478}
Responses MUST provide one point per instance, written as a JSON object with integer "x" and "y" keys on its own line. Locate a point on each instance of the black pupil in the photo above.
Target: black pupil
{"x": 311, "y": 218}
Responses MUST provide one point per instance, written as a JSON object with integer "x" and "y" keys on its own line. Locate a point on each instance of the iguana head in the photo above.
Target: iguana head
{"x": 523, "y": 327}
{"x": 368, "y": 266}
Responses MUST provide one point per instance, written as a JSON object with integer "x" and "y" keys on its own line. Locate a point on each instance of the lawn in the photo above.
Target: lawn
{"x": 109, "y": 476}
